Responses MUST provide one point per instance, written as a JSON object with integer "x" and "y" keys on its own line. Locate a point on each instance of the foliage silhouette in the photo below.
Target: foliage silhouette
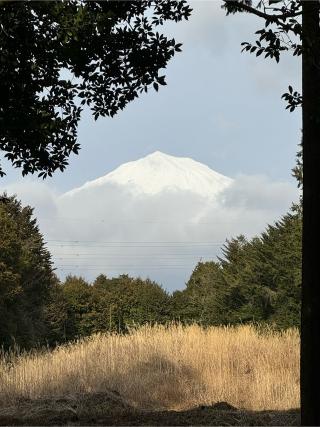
{"x": 58, "y": 56}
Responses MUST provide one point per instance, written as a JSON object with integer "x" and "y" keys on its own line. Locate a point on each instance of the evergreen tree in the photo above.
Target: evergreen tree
{"x": 254, "y": 281}
{"x": 201, "y": 301}
{"x": 26, "y": 276}
{"x": 77, "y": 293}
{"x": 126, "y": 301}
{"x": 57, "y": 315}
{"x": 109, "y": 305}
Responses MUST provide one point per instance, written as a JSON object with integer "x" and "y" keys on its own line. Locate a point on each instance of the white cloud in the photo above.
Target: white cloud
{"x": 161, "y": 236}
{"x": 257, "y": 193}
{"x": 210, "y": 31}
{"x": 35, "y": 193}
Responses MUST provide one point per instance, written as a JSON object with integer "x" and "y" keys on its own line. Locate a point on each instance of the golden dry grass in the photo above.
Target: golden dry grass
{"x": 172, "y": 367}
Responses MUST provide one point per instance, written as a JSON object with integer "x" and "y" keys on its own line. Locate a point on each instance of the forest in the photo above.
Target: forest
{"x": 255, "y": 281}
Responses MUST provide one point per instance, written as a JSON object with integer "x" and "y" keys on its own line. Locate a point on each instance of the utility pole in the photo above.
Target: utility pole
{"x": 310, "y": 311}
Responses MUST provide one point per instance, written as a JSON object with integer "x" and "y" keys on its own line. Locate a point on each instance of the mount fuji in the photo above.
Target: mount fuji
{"x": 159, "y": 172}
{"x": 153, "y": 217}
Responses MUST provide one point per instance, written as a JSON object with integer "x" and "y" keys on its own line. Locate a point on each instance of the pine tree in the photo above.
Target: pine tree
{"x": 254, "y": 281}
{"x": 26, "y": 276}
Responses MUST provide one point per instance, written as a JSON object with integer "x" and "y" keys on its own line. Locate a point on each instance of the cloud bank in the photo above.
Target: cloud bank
{"x": 160, "y": 236}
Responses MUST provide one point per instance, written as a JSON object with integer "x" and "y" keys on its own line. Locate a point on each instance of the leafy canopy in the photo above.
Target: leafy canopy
{"x": 282, "y": 32}
{"x": 57, "y": 56}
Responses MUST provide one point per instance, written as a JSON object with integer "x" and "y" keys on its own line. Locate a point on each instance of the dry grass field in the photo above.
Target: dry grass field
{"x": 160, "y": 368}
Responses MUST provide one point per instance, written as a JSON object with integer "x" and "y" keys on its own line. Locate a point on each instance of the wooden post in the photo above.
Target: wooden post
{"x": 310, "y": 312}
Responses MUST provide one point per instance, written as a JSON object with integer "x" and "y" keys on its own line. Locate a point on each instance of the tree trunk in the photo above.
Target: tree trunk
{"x": 310, "y": 313}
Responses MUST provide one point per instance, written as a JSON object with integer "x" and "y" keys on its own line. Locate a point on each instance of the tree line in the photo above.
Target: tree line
{"x": 257, "y": 280}
{"x": 92, "y": 40}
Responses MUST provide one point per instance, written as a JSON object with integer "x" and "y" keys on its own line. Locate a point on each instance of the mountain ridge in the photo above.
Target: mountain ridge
{"x": 158, "y": 172}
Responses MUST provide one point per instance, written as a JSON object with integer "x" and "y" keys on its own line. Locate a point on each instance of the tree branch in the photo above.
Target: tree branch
{"x": 270, "y": 17}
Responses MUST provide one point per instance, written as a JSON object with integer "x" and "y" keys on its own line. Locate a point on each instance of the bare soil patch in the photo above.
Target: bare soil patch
{"x": 109, "y": 408}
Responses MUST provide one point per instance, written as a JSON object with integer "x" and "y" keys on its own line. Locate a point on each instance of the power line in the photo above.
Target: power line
{"x": 120, "y": 247}
{"x": 82, "y": 261}
{"x": 128, "y": 246}
{"x": 190, "y": 242}
{"x": 100, "y": 269}
{"x": 134, "y": 221}
{"x": 137, "y": 266}
{"x": 123, "y": 257}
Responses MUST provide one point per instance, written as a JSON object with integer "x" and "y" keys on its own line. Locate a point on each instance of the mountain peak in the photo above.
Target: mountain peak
{"x": 163, "y": 156}
{"x": 160, "y": 157}
{"x": 158, "y": 172}
{"x": 158, "y": 154}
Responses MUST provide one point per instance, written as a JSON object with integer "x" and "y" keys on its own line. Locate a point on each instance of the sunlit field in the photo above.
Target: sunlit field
{"x": 160, "y": 367}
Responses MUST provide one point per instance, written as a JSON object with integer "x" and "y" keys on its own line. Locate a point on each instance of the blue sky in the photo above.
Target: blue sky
{"x": 221, "y": 107}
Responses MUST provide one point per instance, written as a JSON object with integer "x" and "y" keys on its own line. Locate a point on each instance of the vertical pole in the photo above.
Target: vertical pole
{"x": 310, "y": 311}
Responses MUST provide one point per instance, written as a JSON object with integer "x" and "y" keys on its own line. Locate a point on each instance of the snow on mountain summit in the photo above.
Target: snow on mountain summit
{"x": 159, "y": 172}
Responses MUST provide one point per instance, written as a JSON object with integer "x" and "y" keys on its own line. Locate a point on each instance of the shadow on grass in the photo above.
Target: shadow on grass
{"x": 109, "y": 408}
{"x": 157, "y": 383}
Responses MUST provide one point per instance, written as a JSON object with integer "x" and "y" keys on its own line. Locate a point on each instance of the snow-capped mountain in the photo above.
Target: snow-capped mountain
{"x": 158, "y": 172}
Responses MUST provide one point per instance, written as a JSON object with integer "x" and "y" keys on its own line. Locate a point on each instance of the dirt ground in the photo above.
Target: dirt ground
{"x": 110, "y": 409}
